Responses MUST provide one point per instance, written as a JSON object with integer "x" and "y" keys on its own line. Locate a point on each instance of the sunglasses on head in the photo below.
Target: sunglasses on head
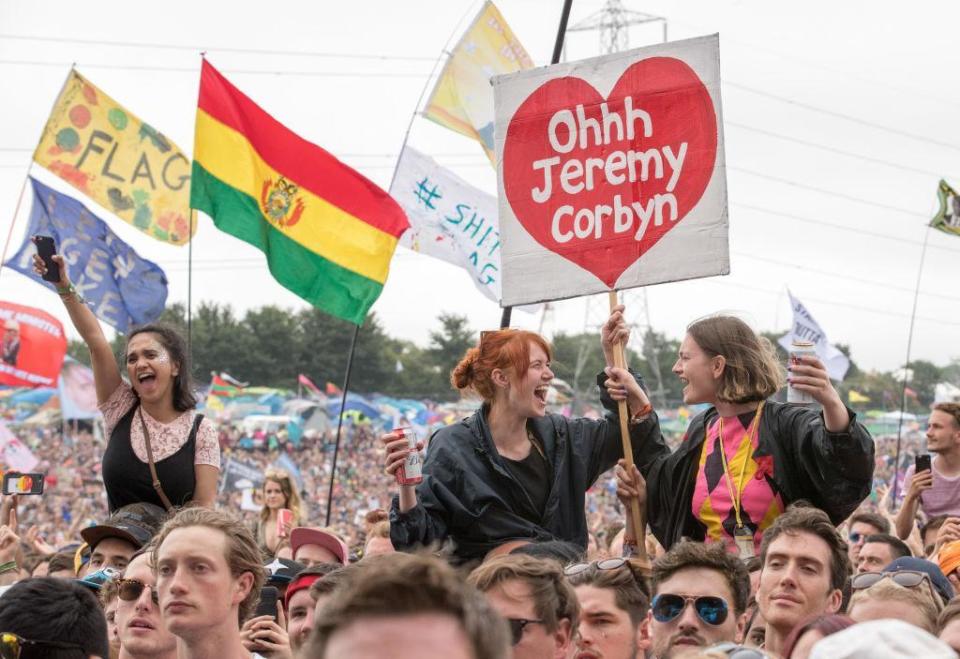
{"x": 711, "y": 610}
{"x": 517, "y": 625}
{"x": 605, "y": 564}
{"x": 905, "y": 578}
{"x": 11, "y": 645}
{"x": 129, "y": 590}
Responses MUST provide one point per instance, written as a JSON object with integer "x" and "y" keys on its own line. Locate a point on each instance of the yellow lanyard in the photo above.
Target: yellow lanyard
{"x": 736, "y": 496}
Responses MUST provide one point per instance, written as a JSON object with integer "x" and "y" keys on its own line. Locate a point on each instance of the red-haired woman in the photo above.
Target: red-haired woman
{"x": 511, "y": 472}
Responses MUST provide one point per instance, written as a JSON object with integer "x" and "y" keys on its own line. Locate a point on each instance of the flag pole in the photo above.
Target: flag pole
{"x": 343, "y": 403}
{"x": 444, "y": 52}
{"x": 557, "y": 51}
{"x": 193, "y": 215}
{"x": 906, "y": 369}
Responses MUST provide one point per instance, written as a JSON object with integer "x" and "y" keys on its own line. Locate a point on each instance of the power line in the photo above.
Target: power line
{"x": 841, "y": 115}
{"x": 832, "y": 193}
{"x": 199, "y": 49}
{"x": 831, "y": 149}
{"x": 196, "y": 69}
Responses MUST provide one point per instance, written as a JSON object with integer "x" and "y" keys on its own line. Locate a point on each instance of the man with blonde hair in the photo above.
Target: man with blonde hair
{"x": 536, "y": 599}
{"x": 887, "y": 599}
{"x": 209, "y": 575}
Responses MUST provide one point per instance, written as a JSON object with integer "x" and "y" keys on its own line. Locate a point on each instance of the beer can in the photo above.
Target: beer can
{"x": 800, "y": 349}
{"x": 410, "y": 472}
{"x": 284, "y": 517}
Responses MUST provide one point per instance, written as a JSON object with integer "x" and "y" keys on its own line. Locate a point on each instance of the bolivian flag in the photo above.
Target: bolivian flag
{"x": 328, "y": 232}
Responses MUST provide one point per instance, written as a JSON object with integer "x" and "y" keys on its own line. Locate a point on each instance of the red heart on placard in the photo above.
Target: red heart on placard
{"x": 678, "y": 111}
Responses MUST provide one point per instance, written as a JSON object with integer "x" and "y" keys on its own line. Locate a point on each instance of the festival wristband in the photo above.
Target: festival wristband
{"x": 9, "y": 566}
{"x": 642, "y": 414}
{"x": 69, "y": 290}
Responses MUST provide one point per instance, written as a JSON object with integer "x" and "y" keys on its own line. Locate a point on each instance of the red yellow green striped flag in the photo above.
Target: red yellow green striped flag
{"x": 327, "y": 231}
{"x": 219, "y": 386}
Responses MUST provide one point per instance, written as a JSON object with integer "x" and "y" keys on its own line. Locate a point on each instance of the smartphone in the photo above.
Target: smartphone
{"x": 16, "y": 483}
{"x": 267, "y": 606}
{"x": 922, "y": 463}
{"x": 46, "y": 248}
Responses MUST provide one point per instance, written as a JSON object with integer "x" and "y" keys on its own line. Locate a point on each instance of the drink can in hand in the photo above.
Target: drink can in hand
{"x": 800, "y": 349}
{"x": 409, "y": 473}
{"x": 284, "y": 517}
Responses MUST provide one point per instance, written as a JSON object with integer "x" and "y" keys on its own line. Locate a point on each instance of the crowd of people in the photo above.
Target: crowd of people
{"x": 768, "y": 530}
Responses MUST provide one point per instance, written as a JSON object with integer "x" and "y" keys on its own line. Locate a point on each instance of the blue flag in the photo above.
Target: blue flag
{"x": 121, "y": 288}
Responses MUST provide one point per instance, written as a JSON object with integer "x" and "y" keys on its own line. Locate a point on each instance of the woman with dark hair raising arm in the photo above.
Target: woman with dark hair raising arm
{"x": 151, "y": 423}
{"x": 746, "y": 458}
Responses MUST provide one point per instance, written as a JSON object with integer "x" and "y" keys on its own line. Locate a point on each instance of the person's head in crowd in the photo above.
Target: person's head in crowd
{"x": 61, "y": 565}
{"x": 158, "y": 366}
{"x": 723, "y": 360}
{"x": 415, "y": 603}
{"x": 560, "y": 551}
{"x": 882, "y": 639}
{"x": 55, "y": 618}
{"x": 948, "y": 625}
{"x": 753, "y": 565}
{"x": 929, "y": 531}
{"x": 122, "y": 534}
{"x": 312, "y": 546}
{"x": 378, "y": 541}
{"x": 140, "y": 626}
{"x": 943, "y": 428}
{"x": 941, "y": 585}
{"x": 507, "y": 369}
{"x": 614, "y": 601}
{"x": 755, "y": 629}
{"x": 805, "y": 567}
{"x": 109, "y": 601}
{"x": 537, "y": 601}
{"x": 280, "y": 572}
{"x": 862, "y": 525}
{"x": 322, "y": 590}
{"x": 284, "y": 550}
{"x": 886, "y": 598}
{"x": 41, "y": 568}
{"x": 700, "y": 593}
{"x": 209, "y": 577}
{"x": 279, "y": 491}
{"x": 805, "y": 635}
{"x": 374, "y": 518}
{"x": 879, "y": 550}
{"x": 299, "y": 603}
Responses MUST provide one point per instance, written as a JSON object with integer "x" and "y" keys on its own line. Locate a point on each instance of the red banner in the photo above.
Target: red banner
{"x": 32, "y": 347}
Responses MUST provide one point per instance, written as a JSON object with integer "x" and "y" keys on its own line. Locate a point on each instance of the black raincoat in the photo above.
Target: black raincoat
{"x": 833, "y": 471}
{"x": 470, "y": 496}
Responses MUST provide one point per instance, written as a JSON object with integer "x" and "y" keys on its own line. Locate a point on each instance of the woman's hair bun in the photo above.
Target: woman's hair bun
{"x": 461, "y": 377}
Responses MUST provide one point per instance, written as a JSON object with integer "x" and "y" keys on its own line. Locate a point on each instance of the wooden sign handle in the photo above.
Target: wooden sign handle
{"x": 637, "y": 516}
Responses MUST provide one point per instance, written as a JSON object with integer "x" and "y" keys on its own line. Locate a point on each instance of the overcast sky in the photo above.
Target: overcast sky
{"x": 840, "y": 117}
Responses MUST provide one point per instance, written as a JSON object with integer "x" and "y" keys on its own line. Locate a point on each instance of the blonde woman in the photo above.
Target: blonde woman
{"x": 770, "y": 455}
{"x": 279, "y": 492}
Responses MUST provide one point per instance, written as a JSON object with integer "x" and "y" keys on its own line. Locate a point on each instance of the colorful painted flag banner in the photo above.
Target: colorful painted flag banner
{"x": 611, "y": 172}
{"x": 462, "y": 99}
{"x": 806, "y": 328}
{"x": 125, "y": 165}
{"x": 327, "y": 231}
{"x": 121, "y": 288}
{"x": 32, "y": 347}
{"x": 947, "y": 218}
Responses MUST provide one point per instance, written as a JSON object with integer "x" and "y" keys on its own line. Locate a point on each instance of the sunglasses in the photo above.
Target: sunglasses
{"x": 905, "y": 578}
{"x": 11, "y": 645}
{"x": 711, "y": 610}
{"x": 129, "y": 590}
{"x": 605, "y": 564}
{"x": 517, "y": 625}
{"x": 855, "y": 537}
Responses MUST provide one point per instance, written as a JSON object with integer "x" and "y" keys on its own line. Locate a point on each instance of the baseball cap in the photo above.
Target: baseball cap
{"x": 303, "y": 535}
{"x": 136, "y": 523}
{"x": 881, "y": 639}
{"x": 940, "y": 583}
{"x": 281, "y": 571}
{"x": 95, "y": 580}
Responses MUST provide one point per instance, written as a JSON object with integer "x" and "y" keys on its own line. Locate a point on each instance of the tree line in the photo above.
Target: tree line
{"x": 270, "y": 346}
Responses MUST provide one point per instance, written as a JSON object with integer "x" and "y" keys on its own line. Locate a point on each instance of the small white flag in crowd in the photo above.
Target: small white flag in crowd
{"x": 805, "y": 328}
{"x": 15, "y": 453}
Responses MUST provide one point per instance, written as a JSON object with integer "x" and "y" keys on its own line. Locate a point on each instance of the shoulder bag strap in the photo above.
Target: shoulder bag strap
{"x": 153, "y": 468}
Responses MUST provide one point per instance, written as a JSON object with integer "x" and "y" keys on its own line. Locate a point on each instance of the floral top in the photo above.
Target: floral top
{"x": 165, "y": 438}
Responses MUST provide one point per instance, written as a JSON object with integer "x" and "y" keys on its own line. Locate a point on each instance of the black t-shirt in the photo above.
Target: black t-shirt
{"x": 533, "y": 473}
